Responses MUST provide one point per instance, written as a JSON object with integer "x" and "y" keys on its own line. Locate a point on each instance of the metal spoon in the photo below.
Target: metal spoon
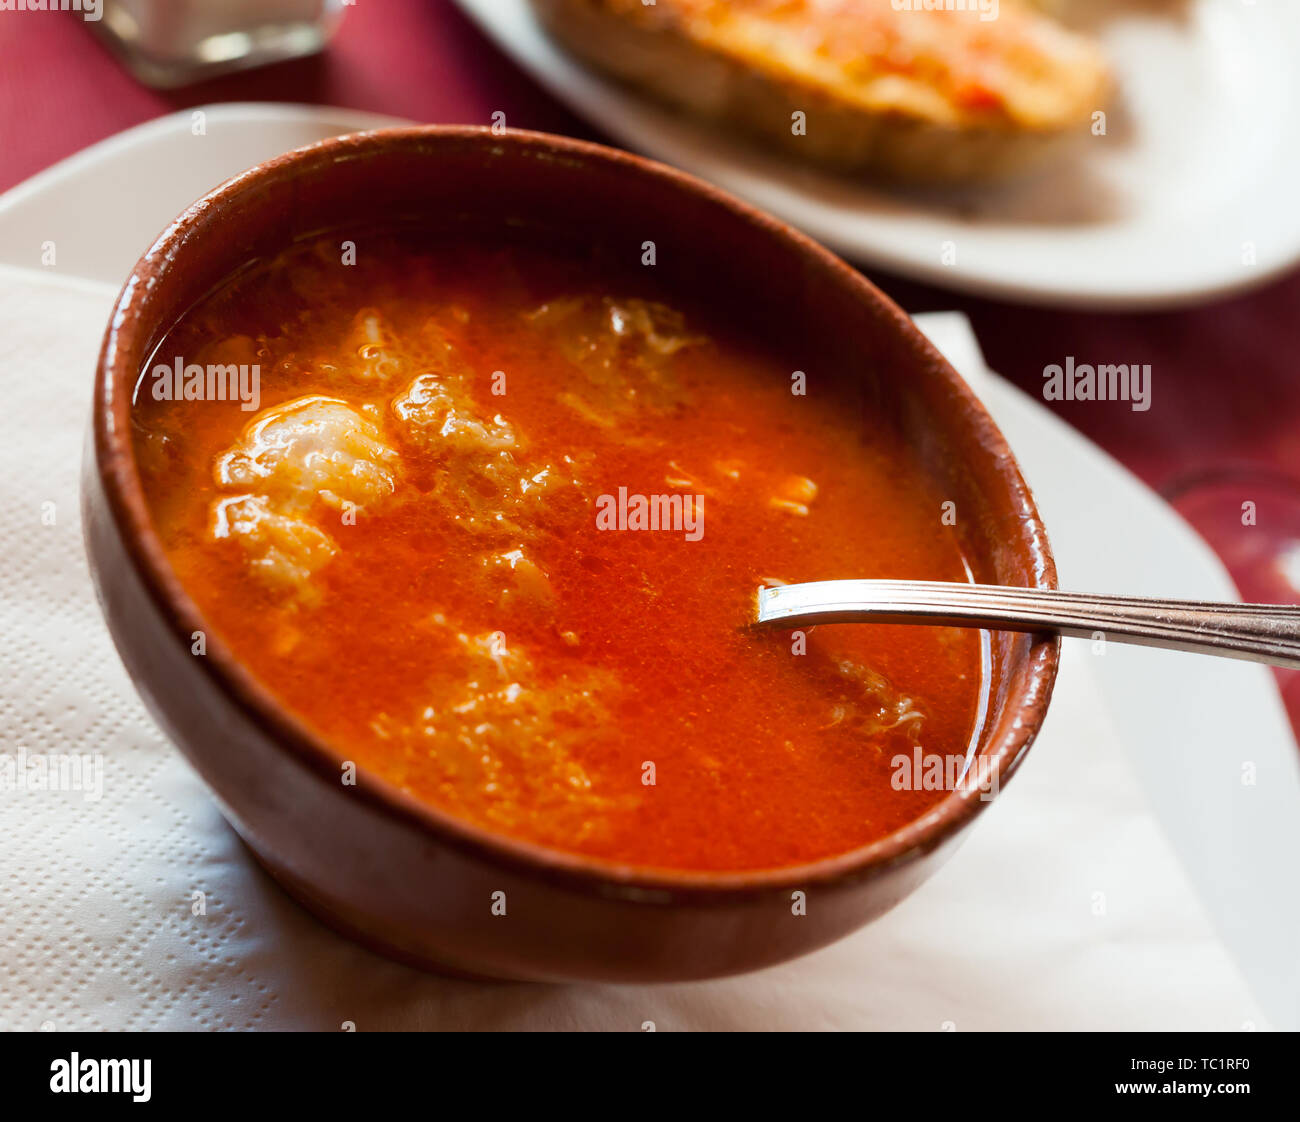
{"x": 1267, "y": 633}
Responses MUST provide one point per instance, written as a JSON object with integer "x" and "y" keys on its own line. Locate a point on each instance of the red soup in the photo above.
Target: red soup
{"x": 490, "y": 518}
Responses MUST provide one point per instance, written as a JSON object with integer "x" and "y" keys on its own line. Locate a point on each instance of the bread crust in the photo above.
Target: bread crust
{"x": 734, "y": 65}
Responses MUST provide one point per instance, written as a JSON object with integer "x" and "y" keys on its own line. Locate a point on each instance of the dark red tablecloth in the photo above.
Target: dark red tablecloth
{"x": 1226, "y": 383}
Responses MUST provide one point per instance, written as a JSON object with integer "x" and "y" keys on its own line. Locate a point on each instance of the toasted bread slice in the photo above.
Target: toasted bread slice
{"x": 915, "y": 94}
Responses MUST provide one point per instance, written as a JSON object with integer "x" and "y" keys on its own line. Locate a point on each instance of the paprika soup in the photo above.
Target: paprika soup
{"x": 488, "y": 514}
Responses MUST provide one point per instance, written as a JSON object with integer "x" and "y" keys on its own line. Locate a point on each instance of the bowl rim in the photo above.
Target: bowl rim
{"x": 116, "y": 469}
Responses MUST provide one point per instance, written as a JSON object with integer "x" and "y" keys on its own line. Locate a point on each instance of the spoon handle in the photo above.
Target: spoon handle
{"x": 1268, "y": 633}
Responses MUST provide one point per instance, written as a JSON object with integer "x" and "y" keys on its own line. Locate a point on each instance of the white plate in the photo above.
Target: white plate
{"x": 1190, "y": 195}
{"x": 1187, "y": 722}
{"x": 103, "y": 207}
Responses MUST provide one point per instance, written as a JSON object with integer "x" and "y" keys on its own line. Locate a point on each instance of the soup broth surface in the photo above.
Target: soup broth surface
{"x": 493, "y": 522}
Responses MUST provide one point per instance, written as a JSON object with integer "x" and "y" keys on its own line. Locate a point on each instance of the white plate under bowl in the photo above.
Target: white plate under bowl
{"x": 1189, "y": 196}
{"x": 1184, "y": 720}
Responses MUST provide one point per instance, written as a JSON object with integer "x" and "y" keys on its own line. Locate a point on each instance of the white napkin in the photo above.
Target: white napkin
{"x": 1065, "y": 909}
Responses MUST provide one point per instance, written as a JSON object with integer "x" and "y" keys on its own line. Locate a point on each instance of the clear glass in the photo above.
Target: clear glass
{"x": 174, "y": 42}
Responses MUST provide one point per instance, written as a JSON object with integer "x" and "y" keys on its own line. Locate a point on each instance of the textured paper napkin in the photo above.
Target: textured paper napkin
{"x": 1065, "y": 909}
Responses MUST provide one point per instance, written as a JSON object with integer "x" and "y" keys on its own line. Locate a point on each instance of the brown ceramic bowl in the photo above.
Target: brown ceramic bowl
{"x": 401, "y": 875}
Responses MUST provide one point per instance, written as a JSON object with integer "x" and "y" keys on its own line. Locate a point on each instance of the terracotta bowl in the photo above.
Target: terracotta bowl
{"x": 398, "y": 874}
